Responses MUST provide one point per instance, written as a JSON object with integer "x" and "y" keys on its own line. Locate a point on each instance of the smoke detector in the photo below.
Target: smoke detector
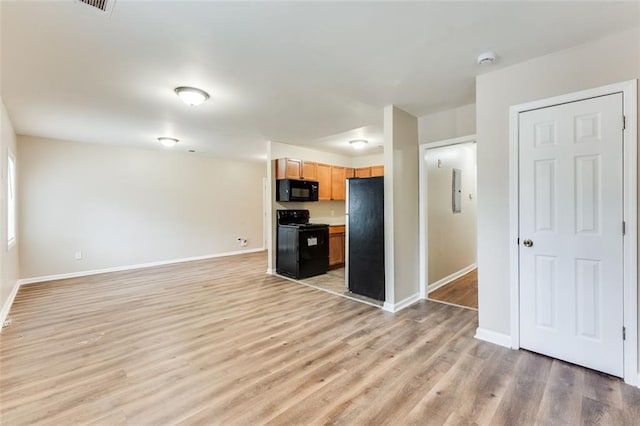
{"x": 486, "y": 58}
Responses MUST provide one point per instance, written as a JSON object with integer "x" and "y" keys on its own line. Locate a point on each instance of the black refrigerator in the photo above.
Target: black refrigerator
{"x": 365, "y": 237}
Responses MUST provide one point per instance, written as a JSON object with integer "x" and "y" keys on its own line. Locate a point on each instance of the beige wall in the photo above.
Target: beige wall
{"x": 452, "y": 236}
{"x": 9, "y": 262}
{"x": 448, "y": 124}
{"x": 606, "y": 61}
{"x": 125, "y": 206}
{"x": 402, "y": 267}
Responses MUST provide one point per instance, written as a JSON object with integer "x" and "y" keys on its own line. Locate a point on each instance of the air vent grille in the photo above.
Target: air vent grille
{"x": 98, "y": 4}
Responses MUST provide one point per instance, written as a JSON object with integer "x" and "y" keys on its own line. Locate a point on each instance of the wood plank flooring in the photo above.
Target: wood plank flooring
{"x": 220, "y": 342}
{"x": 462, "y": 291}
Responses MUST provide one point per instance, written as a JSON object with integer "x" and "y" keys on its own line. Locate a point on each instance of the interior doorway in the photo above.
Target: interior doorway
{"x": 448, "y": 221}
{"x": 573, "y": 184}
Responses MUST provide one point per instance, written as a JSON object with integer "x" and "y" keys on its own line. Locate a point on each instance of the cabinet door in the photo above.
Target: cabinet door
{"x": 294, "y": 169}
{"x": 350, "y": 172}
{"x": 336, "y": 249}
{"x": 281, "y": 168}
{"x": 309, "y": 170}
{"x": 363, "y": 172}
{"x": 323, "y": 172}
{"x": 338, "y": 183}
{"x": 377, "y": 171}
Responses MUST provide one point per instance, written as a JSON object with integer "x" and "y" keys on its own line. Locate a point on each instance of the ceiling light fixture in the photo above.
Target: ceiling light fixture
{"x": 191, "y": 95}
{"x": 358, "y": 143}
{"x": 168, "y": 142}
{"x": 486, "y": 58}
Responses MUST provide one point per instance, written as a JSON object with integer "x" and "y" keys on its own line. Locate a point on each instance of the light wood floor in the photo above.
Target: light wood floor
{"x": 219, "y": 342}
{"x": 463, "y": 291}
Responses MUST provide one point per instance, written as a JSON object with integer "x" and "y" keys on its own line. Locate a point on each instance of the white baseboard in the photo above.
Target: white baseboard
{"x": 395, "y": 307}
{"x": 7, "y": 304}
{"x": 493, "y": 337}
{"x": 34, "y": 280}
{"x": 446, "y": 280}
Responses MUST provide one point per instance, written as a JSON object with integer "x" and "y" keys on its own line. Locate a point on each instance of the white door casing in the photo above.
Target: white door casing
{"x": 571, "y": 209}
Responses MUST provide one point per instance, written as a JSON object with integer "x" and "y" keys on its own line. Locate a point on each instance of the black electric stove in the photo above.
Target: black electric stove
{"x": 302, "y": 247}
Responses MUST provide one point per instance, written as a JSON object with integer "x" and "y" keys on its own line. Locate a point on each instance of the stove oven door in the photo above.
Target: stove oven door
{"x": 313, "y": 252}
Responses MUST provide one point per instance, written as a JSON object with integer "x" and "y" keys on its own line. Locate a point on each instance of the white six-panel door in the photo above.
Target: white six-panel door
{"x": 571, "y": 232}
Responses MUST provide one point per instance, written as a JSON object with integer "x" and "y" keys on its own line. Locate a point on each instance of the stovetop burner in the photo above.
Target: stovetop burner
{"x": 297, "y": 219}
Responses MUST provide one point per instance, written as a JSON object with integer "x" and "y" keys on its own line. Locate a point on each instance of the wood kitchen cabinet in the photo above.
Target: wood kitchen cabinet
{"x": 363, "y": 172}
{"x": 289, "y": 168}
{"x": 373, "y": 171}
{"x": 309, "y": 170}
{"x": 377, "y": 171}
{"x": 323, "y": 173}
{"x": 338, "y": 183}
{"x": 337, "y": 237}
{"x": 349, "y": 172}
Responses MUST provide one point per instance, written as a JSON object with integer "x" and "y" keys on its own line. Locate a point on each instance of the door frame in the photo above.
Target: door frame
{"x": 424, "y": 204}
{"x": 629, "y": 90}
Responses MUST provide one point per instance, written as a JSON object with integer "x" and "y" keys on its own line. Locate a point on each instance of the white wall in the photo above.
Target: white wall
{"x": 368, "y": 160}
{"x": 452, "y": 236}
{"x": 402, "y": 273}
{"x": 9, "y": 260}
{"x": 125, "y": 206}
{"x": 448, "y": 124}
{"x": 605, "y": 61}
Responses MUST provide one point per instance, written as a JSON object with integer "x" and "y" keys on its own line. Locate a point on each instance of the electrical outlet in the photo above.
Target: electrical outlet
{"x": 78, "y": 255}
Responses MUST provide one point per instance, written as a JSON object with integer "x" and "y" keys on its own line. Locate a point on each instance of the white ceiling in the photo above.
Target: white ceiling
{"x": 303, "y": 73}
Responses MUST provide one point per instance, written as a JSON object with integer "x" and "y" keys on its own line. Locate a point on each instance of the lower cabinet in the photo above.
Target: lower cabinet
{"x": 336, "y": 245}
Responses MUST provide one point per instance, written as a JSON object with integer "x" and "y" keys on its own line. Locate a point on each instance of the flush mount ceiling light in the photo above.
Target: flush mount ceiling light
{"x": 358, "y": 143}
{"x": 191, "y": 95}
{"x": 486, "y": 58}
{"x": 168, "y": 142}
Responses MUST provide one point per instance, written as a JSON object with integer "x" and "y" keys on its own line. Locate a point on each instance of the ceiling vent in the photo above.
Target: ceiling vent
{"x": 104, "y": 6}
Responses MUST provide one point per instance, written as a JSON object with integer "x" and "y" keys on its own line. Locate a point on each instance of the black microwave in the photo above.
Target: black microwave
{"x": 296, "y": 190}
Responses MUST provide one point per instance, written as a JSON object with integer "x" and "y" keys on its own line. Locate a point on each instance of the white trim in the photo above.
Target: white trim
{"x": 629, "y": 90}
{"x": 423, "y": 206}
{"x": 493, "y": 337}
{"x": 404, "y": 303}
{"x": 449, "y": 278}
{"x": 26, "y": 281}
{"x": 8, "y": 303}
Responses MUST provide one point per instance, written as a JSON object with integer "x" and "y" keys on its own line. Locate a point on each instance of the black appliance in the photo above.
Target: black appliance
{"x": 302, "y": 247}
{"x": 296, "y": 190}
{"x": 365, "y": 236}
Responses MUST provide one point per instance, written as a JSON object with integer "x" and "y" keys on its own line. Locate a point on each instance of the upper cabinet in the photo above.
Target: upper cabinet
{"x": 373, "y": 171}
{"x": 338, "y": 182}
{"x": 324, "y": 181}
{"x": 363, "y": 172}
{"x": 289, "y": 168}
{"x": 309, "y": 170}
{"x": 331, "y": 179}
{"x": 377, "y": 171}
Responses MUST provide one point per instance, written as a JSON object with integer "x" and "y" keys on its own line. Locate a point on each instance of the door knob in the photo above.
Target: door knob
{"x": 527, "y": 243}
